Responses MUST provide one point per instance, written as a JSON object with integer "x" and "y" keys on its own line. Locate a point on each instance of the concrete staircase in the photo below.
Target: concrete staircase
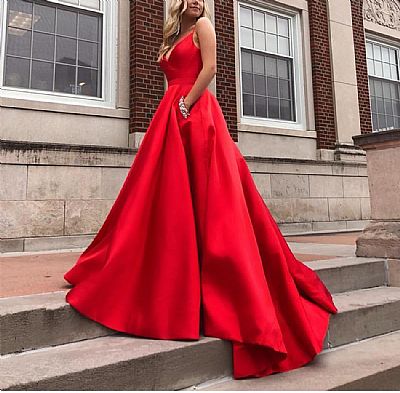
{"x": 46, "y": 345}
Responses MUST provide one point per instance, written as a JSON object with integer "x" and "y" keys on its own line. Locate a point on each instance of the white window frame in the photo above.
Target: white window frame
{"x": 298, "y": 69}
{"x": 108, "y": 9}
{"x": 388, "y": 43}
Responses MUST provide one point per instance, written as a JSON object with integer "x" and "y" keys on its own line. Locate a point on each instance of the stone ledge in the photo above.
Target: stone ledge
{"x": 380, "y": 239}
{"x": 389, "y": 138}
{"x": 38, "y": 153}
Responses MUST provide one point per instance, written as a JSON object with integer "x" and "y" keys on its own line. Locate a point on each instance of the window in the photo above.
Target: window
{"x": 53, "y": 48}
{"x": 58, "y": 49}
{"x": 267, "y": 64}
{"x": 383, "y": 72}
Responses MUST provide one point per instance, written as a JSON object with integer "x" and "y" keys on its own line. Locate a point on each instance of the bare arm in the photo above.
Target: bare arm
{"x": 205, "y": 32}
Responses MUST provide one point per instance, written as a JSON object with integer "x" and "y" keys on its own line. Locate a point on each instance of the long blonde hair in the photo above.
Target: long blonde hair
{"x": 173, "y": 24}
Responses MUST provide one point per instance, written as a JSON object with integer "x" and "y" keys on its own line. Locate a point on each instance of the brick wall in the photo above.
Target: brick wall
{"x": 146, "y": 78}
{"x": 322, "y": 75}
{"x": 361, "y": 66}
{"x": 225, "y": 78}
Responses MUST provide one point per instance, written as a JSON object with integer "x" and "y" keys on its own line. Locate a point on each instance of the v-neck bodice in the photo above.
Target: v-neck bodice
{"x": 176, "y": 44}
{"x": 184, "y": 61}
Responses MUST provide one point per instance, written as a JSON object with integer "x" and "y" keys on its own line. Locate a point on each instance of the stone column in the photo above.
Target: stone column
{"x": 347, "y": 116}
{"x": 381, "y": 238}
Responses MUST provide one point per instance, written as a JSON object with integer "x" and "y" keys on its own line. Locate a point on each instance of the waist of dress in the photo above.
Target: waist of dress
{"x": 182, "y": 81}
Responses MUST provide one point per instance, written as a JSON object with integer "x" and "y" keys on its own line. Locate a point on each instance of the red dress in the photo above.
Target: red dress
{"x": 189, "y": 237}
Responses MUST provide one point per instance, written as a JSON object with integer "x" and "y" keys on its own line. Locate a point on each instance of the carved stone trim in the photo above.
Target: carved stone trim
{"x": 383, "y": 12}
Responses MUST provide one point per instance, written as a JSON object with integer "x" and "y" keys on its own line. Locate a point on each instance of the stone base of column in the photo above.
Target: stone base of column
{"x": 135, "y": 139}
{"x": 380, "y": 239}
{"x": 344, "y": 152}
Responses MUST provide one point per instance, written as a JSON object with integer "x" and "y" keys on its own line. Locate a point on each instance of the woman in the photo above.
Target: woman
{"x": 189, "y": 245}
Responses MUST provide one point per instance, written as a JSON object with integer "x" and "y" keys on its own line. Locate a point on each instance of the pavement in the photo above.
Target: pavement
{"x": 42, "y": 272}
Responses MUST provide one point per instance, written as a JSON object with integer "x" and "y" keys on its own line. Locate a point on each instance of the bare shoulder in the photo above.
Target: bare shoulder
{"x": 204, "y": 25}
{"x": 204, "y": 30}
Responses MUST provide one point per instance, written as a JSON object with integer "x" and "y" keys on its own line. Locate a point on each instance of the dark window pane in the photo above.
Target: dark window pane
{"x": 66, "y": 22}
{"x": 373, "y": 104}
{"x": 258, "y": 64}
{"x": 246, "y": 62}
{"x": 261, "y": 106}
{"x": 397, "y": 122}
{"x": 65, "y": 79}
{"x": 89, "y": 27}
{"x": 283, "y": 71}
{"x": 379, "y": 105}
{"x": 42, "y": 75}
{"x": 378, "y": 89}
{"x": 19, "y": 42}
{"x": 66, "y": 50}
{"x": 45, "y": 18}
{"x": 374, "y": 122}
{"x": 284, "y": 88}
{"x": 386, "y": 90}
{"x": 396, "y": 108}
{"x": 394, "y": 91}
{"x": 272, "y": 87}
{"x": 20, "y": 14}
{"x": 247, "y": 82}
{"x": 88, "y": 54}
{"x": 381, "y": 121}
{"x": 17, "y": 72}
{"x": 260, "y": 85}
{"x": 285, "y": 106}
{"x": 390, "y": 121}
{"x": 273, "y": 108}
{"x": 388, "y": 107}
{"x": 248, "y": 105}
{"x": 271, "y": 66}
{"x": 88, "y": 82}
{"x": 43, "y": 46}
{"x": 371, "y": 86}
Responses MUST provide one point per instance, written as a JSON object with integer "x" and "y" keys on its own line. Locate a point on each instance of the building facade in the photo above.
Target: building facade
{"x": 296, "y": 79}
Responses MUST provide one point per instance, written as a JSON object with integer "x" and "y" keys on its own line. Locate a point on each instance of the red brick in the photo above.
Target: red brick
{"x": 361, "y": 66}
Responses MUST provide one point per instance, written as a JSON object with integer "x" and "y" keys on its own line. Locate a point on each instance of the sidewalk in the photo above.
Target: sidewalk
{"x": 26, "y": 274}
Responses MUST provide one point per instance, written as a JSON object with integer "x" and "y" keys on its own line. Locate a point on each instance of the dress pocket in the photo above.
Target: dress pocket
{"x": 179, "y": 114}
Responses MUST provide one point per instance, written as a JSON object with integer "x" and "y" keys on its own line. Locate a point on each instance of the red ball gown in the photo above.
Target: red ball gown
{"x": 189, "y": 240}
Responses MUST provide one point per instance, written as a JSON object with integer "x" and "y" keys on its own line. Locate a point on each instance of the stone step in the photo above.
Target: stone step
{"x": 117, "y": 363}
{"x": 364, "y": 313}
{"x": 350, "y": 273}
{"x": 36, "y": 321}
{"x": 371, "y": 364}
{"x": 55, "y": 322}
{"x": 126, "y": 362}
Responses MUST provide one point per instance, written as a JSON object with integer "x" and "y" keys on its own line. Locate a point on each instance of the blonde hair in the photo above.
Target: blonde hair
{"x": 173, "y": 24}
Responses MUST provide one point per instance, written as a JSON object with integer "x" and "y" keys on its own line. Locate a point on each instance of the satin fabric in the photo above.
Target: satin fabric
{"x": 189, "y": 246}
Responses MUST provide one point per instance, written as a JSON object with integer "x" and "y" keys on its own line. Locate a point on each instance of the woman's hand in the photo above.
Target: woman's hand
{"x": 187, "y": 103}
